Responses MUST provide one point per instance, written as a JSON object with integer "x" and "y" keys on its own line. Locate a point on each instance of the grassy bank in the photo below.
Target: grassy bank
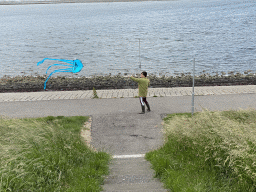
{"x": 211, "y": 151}
{"x": 48, "y": 154}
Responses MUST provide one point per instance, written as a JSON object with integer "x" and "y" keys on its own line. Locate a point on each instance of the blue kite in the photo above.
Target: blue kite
{"x": 74, "y": 66}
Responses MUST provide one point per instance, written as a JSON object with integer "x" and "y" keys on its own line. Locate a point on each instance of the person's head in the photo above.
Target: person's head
{"x": 143, "y": 74}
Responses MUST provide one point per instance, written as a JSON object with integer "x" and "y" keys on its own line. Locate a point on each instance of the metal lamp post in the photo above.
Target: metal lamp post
{"x": 193, "y": 93}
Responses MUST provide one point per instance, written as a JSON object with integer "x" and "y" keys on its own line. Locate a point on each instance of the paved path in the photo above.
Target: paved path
{"x": 123, "y": 93}
{"x": 125, "y": 135}
{"x": 118, "y": 128}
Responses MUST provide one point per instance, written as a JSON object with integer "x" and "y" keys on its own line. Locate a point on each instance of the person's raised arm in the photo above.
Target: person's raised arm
{"x": 134, "y": 79}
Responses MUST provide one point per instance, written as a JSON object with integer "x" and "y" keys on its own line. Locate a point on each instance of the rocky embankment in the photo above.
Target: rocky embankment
{"x": 31, "y": 84}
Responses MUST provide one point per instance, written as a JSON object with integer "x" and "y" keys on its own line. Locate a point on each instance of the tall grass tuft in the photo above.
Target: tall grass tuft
{"x": 212, "y": 151}
{"x": 48, "y": 154}
{"x": 95, "y": 95}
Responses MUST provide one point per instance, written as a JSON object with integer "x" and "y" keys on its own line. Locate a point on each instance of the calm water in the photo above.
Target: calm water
{"x": 220, "y": 35}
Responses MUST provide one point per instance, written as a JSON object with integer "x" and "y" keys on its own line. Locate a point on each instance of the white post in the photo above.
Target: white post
{"x": 193, "y": 93}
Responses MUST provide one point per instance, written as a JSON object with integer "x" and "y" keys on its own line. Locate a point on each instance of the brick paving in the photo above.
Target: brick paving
{"x": 124, "y": 93}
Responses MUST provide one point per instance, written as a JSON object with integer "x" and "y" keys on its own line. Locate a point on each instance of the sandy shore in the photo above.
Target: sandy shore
{"x": 67, "y": 1}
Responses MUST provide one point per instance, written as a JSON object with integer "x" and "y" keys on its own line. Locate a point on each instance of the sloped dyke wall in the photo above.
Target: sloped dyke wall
{"x": 30, "y": 83}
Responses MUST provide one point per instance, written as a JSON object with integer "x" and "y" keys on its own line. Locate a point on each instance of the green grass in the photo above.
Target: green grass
{"x": 211, "y": 151}
{"x": 95, "y": 95}
{"x": 48, "y": 154}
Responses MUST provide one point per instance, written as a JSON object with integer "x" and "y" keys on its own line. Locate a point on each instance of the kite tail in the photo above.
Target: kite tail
{"x": 69, "y": 65}
{"x": 40, "y": 62}
{"x": 63, "y": 60}
{"x": 55, "y": 71}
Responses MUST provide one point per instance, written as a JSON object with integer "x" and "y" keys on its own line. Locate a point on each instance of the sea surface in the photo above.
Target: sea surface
{"x": 161, "y": 37}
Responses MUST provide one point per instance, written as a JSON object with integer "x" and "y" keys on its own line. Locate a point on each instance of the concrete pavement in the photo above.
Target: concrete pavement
{"x": 118, "y": 128}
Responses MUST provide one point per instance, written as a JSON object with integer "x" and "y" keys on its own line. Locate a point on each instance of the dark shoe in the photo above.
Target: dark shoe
{"x": 148, "y": 107}
{"x": 143, "y": 110}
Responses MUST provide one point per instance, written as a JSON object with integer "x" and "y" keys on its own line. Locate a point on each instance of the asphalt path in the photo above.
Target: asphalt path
{"x": 159, "y": 105}
{"x": 116, "y": 125}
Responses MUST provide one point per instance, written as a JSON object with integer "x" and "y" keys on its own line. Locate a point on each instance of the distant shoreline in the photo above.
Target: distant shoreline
{"x": 69, "y": 1}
